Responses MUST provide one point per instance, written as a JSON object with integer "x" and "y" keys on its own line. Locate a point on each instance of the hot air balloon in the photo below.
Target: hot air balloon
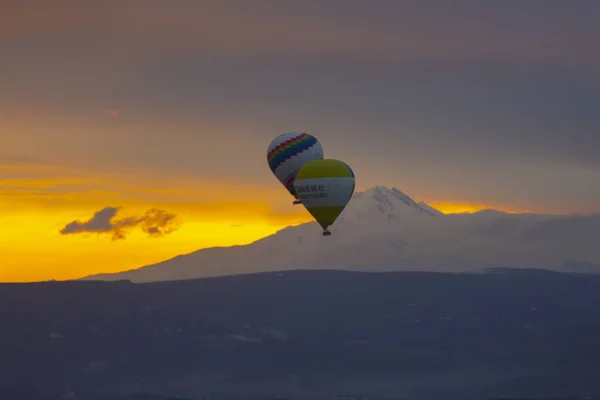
{"x": 290, "y": 151}
{"x": 325, "y": 187}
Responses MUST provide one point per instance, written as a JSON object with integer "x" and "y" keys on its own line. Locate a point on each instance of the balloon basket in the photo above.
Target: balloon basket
{"x": 326, "y": 233}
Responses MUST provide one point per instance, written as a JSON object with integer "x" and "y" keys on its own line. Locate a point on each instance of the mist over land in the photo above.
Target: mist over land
{"x": 382, "y": 229}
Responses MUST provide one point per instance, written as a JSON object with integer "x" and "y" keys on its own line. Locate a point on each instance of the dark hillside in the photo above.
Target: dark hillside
{"x": 507, "y": 332}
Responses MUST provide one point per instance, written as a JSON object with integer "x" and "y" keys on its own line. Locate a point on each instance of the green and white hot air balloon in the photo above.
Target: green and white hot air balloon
{"x": 325, "y": 187}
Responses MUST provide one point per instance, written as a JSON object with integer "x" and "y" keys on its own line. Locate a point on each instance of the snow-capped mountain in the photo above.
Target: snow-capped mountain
{"x": 383, "y": 229}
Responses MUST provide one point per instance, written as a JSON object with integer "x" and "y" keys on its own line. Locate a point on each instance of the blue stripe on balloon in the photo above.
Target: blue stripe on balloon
{"x": 292, "y": 151}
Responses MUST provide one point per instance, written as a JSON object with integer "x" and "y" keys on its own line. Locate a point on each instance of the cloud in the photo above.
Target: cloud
{"x": 154, "y": 222}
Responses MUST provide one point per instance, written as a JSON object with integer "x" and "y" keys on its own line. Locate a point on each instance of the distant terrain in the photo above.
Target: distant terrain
{"x": 383, "y": 229}
{"x": 304, "y": 335}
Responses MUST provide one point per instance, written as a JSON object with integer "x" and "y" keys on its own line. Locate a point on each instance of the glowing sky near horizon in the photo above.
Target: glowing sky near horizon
{"x": 171, "y": 105}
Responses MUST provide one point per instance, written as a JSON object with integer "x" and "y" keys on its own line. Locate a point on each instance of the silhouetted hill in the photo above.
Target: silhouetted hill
{"x": 305, "y": 333}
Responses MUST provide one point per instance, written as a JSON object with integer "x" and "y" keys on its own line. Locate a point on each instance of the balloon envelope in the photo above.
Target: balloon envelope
{"x": 288, "y": 152}
{"x": 325, "y": 187}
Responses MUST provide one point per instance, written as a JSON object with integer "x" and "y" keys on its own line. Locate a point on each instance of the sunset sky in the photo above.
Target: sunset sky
{"x": 144, "y": 104}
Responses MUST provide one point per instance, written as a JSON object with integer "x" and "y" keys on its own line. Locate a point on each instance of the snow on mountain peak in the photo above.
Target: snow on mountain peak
{"x": 385, "y": 200}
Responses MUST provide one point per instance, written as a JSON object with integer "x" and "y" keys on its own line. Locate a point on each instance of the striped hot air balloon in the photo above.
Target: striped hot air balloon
{"x": 325, "y": 187}
{"x": 288, "y": 152}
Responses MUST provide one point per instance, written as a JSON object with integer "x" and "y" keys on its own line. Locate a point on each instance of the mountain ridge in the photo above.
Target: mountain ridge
{"x": 383, "y": 229}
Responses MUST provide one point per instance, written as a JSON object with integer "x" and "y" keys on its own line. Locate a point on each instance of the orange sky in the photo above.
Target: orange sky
{"x": 143, "y": 105}
{"x": 56, "y": 170}
{"x": 34, "y": 208}
{"x": 48, "y": 181}
{"x": 37, "y": 201}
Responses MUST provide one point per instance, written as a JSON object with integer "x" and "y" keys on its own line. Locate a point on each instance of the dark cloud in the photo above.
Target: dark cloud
{"x": 154, "y": 222}
{"x": 489, "y": 102}
{"x": 557, "y": 31}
